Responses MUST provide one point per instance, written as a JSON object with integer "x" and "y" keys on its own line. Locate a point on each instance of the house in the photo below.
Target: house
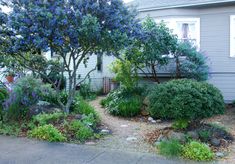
{"x": 210, "y": 24}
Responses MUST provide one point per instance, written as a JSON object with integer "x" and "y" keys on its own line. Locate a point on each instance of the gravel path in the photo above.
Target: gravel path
{"x": 127, "y": 135}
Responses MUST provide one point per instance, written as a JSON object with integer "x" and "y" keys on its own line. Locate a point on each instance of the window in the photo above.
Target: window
{"x": 232, "y": 36}
{"x": 100, "y": 62}
{"x": 187, "y": 29}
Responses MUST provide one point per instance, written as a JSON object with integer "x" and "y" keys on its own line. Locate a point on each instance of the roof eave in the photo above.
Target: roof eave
{"x": 179, "y": 6}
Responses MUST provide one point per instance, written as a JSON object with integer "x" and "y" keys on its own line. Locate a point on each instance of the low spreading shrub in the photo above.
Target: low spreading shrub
{"x": 48, "y": 133}
{"x": 75, "y": 125}
{"x": 86, "y": 93}
{"x": 43, "y": 119}
{"x": 197, "y": 151}
{"x": 204, "y": 135}
{"x": 125, "y": 103}
{"x": 84, "y": 133}
{"x": 170, "y": 148}
{"x": 180, "y": 124}
{"x": 185, "y": 99}
{"x": 3, "y": 97}
{"x": 83, "y": 107}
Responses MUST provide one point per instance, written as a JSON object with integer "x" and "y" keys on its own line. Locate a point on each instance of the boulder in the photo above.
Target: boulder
{"x": 215, "y": 142}
{"x": 193, "y": 134}
{"x": 42, "y": 107}
{"x": 177, "y": 136}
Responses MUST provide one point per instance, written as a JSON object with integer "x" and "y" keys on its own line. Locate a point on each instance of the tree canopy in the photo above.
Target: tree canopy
{"x": 73, "y": 29}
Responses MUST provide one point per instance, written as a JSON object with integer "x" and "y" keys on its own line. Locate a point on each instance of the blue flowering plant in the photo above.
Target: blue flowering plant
{"x": 73, "y": 30}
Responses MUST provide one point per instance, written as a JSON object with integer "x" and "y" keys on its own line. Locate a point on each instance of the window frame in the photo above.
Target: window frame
{"x": 172, "y": 22}
{"x": 232, "y": 36}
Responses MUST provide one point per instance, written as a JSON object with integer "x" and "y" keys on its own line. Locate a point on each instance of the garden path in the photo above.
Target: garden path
{"x": 126, "y": 134}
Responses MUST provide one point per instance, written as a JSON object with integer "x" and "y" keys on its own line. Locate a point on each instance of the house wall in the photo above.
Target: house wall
{"x": 214, "y": 42}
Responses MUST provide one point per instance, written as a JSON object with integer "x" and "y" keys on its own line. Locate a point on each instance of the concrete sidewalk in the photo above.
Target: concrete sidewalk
{"x": 25, "y": 151}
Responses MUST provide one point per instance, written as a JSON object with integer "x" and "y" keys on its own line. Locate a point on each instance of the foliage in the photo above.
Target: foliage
{"x": 90, "y": 120}
{"x": 197, "y": 151}
{"x": 83, "y": 107}
{"x": 185, "y": 99}
{"x": 204, "y": 135}
{"x": 47, "y": 132}
{"x": 43, "y": 119}
{"x": 125, "y": 103}
{"x": 84, "y": 133}
{"x": 125, "y": 73}
{"x": 180, "y": 124}
{"x": 152, "y": 52}
{"x": 86, "y": 93}
{"x": 26, "y": 92}
{"x": 190, "y": 63}
{"x": 75, "y": 125}
{"x": 9, "y": 129}
{"x": 104, "y": 102}
{"x": 171, "y": 148}
{"x": 74, "y": 30}
{"x": 3, "y": 97}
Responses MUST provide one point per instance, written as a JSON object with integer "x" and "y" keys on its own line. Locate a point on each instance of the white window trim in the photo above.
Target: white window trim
{"x": 232, "y": 35}
{"x": 173, "y": 23}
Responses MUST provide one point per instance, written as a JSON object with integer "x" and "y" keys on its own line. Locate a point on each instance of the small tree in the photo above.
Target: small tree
{"x": 152, "y": 52}
{"x": 74, "y": 30}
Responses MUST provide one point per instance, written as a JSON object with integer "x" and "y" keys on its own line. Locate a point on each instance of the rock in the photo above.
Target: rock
{"x": 161, "y": 138}
{"x": 78, "y": 116}
{"x": 42, "y": 107}
{"x": 153, "y": 122}
{"x": 146, "y": 101}
{"x": 215, "y": 142}
{"x": 90, "y": 143}
{"x": 194, "y": 135}
{"x": 105, "y": 131}
{"x": 131, "y": 139}
{"x": 124, "y": 126}
{"x": 158, "y": 121}
{"x": 177, "y": 136}
{"x": 150, "y": 119}
{"x": 219, "y": 154}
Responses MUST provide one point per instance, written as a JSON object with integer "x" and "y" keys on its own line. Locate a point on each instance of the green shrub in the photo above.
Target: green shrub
{"x": 204, "y": 135}
{"x": 180, "y": 124}
{"x": 84, "y": 133}
{"x": 83, "y": 107}
{"x": 104, "y": 102}
{"x": 3, "y": 97}
{"x": 185, "y": 99}
{"x": 86, "y": 93}
{"x": 48, "y": 133}
{"x": 75, "y": 125}
{"x": 9, "y": 129}
{"x": 197, "y": 151}
{"x": 125, "y": 103}
{"x": 43, "y": 119}
{"x": 89, "y": 120}
{"x": 170, "y": 148}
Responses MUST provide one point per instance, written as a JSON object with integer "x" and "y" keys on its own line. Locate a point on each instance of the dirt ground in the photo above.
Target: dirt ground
{"x": 130, "y": 135}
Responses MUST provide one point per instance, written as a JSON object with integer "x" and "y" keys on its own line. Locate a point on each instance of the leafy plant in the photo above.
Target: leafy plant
{"x": 48, "y": 133}
{"x": 84, "y": 133}
{"x": 43, "y": 119}
{"x": 123, "y": 102}
{"x": 180, "y": 124}
{"x": 170, "y": 148}
{"x": 9, "y": 128}
{"x": 75, "y": 125}
{"x": 83, "y": 107}
{"x": 89, "y": 120}
{"x": 204, "y": 135}
{"x": 197, "y": 151}
{"x": 86, "y": 93}
{"x": 3, "y": 97}
{"x": 185, "y": 99}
